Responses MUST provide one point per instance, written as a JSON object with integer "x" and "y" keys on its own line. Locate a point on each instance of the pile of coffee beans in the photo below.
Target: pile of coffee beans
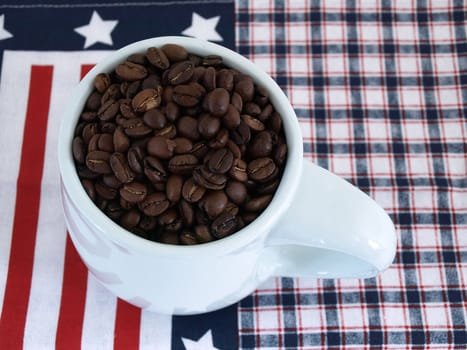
{"x": 179, "y": 148}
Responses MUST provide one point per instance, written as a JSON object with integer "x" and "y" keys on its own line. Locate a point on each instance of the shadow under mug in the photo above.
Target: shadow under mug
{"x": 317, "y": 225}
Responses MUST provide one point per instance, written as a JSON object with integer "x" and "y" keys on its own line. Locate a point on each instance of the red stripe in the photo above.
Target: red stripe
{"x": 18, "y": 284}
{"x": 127, "y": 326}
{"x": 75, "y": 279}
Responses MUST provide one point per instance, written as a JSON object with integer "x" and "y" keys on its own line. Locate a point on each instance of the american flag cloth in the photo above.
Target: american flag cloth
{"x": 379, "y": 88}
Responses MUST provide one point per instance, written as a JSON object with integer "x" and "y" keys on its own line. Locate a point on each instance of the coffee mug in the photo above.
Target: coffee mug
{"x": 317, "y": 224}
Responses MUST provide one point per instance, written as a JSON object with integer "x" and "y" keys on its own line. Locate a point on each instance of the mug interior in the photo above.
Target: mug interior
{"x": 282, "y": 197}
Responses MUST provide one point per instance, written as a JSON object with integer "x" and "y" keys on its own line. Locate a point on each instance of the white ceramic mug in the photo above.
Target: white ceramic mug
{"x": 317, "y": 225}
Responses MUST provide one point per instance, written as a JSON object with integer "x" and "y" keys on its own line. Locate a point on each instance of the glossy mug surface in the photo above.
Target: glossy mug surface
{"x": 317, "y": 224}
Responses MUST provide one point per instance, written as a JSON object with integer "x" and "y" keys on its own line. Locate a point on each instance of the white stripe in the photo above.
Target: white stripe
{"x": 13, "y": 104}
{"x": 99, "y": 317}
{"x": 155, "y": 331}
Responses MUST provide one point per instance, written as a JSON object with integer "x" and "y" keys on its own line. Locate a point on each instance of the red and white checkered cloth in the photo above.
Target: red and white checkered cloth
{"x": 380, "y": 91}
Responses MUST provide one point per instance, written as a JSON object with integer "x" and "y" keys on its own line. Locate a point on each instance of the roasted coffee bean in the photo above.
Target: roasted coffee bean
{"x": 232, "y": 118}
{"x": 154, "y": 204}
{"x": 208, "y": 126}
{"x": 258, "y": 203}
{"x": 238, "y": 171}
{"x": 105, "y": 143}
{"x": 191, "y": 191}
{"x": 236, "y": 191}
{"x": 102, "y": 82}
{"x": 155, "y": 119}
{"x": 224, "y": 225}
{"x": 180, "y": 73}
{"x": 130, "y": 219}
{"x": 111, "y": 181}
{"x": 221, "y": 161}
{"x": 157, "y": 58}
{"x": 173, "y": 188}
{"x": 93, "y": 102}
{"x": 182, "y": 145}
{"x": 203, "y": 234}
{"x": 183, "y": 164}
{"x": 220, "y": 140}
{"x": 178, "y": 148}
{"x": 98, "y": 162}
{"x": 209, "y": 78}
{"x": 161, "y": 147}
{"x": 213, "y": 203}
{"x": 147, "y": 99}
{"x": 261, "y": 168}
{"x": 133, "y": 192}
{"x": 246, "y": 89}
{"x": 175, "y": 52}
{"x": 253, "y": 123}
{"x": 187, "y": 213}
{"x": 241, "y": 134}
{"x": 217, "y": 102}
{"x": 209, "y": 180}
{"x": 120, "y": 167}
{"x": 79, "y": 152}
{"x": 88, "y": 186}
{"x": 154, "y": 170}
{"x": 188, "y": 95}
{"x": 120, "y": 140}
{"x": 260, "y": 145}
{"x": 225, "y": 79}
{"x": 131, "y": 71}
{"x": 187, "y": 238}
{"x": 135, "y": 127}
{"x": 188, "y": 127}
{"x": 135, "y": 158}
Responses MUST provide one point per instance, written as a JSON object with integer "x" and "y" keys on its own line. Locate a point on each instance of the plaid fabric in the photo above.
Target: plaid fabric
{"x": 380, "y": 92}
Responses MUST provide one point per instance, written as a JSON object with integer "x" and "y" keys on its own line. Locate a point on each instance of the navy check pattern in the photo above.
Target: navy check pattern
{"x": 380, "y": 92}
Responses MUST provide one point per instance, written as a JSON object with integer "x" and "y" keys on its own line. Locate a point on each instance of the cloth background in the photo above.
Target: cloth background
{"x": 379, "y": 88}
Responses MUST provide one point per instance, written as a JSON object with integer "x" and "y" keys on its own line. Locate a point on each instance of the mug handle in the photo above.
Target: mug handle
{"x": 331, "y": 230}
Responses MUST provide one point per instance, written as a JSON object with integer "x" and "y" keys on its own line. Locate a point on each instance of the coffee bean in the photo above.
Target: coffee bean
{"x": 174, "y": 188}
{"x": 155, "y": 119}
{"x": 241, "y": 134}
{"x": 147, "y": 223}
{"x": 238, "y": 171}
{"x": 188, "y": 95}
{"x": 168, "y": 131}
{"x": 147, "y": 99}
{"x": 258, "y": 203}
{"x": 88, "y": 132}
{"x": 236, "y": 191}
{"x": 88, "y": 186}
{"x": 105, "y": 143}
{"x": 224, "y": 225}
{"x": 157, "y": 58}
{"x": 131, "y": 71}
{"x": 188, "y": 127}
{"x": 154, "y": 170}
{"x": 236, "y": 101}
{"x": 102, "y": 82}
{"x": 93, "y": 102}
{"x": 261, "y": 145}
{"x": 172, "y": 111}
{"x": 182, "y": 145}
{"x": 133, "y": 192}
{"x": 212, "y": 60}
{"x": 152, "y": 81}
{"x": 225, "y": 79}
{"x": 168, "y": 217}
{"x": 187, "y": 238}
{"x": 79, "y": 153}
{"x": 217, "y": 102}
{"x": 120, "y": 168}
{"x": 183, "y": 164}
{"x": 209, "y": 78}
{"x": 208, "y": 126}
{"x": 108, "y": 110}
{"x": 180, "y": 73}
{"x": 213, "y": 203}
{"x": 98, "y": 162}
{"x": 154, "y": 204}
{"x": 175, "y": 52}
{"x": 135, "y": 127}
{"x": 161, "y": 147}
{"x": 187, "y": 213}
{"x": 137, "y": 58}
{"x": 245, "y": 88}
{"x": 220, "y": 140}
{"x": 280, "y": 154}
{"x": 221, "y": 161}
{"x": 261, "y": 168}
{"x": 191, "y": 191}
{"x": 203, "y": 234}
{"x": 232, "y": 118}
{"x": 135, "y": 158}
{"x": 112, "y": 93}
{"x": 104, "y": 191}
{"x": 253, "y": 123}
{"x": 111, "y": 181}
{"x": 209, "y": 180}
{"x": 130, "y": 219}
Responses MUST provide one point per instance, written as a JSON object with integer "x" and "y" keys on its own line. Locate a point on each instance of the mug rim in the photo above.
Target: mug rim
{"x": 264, "y": 222}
